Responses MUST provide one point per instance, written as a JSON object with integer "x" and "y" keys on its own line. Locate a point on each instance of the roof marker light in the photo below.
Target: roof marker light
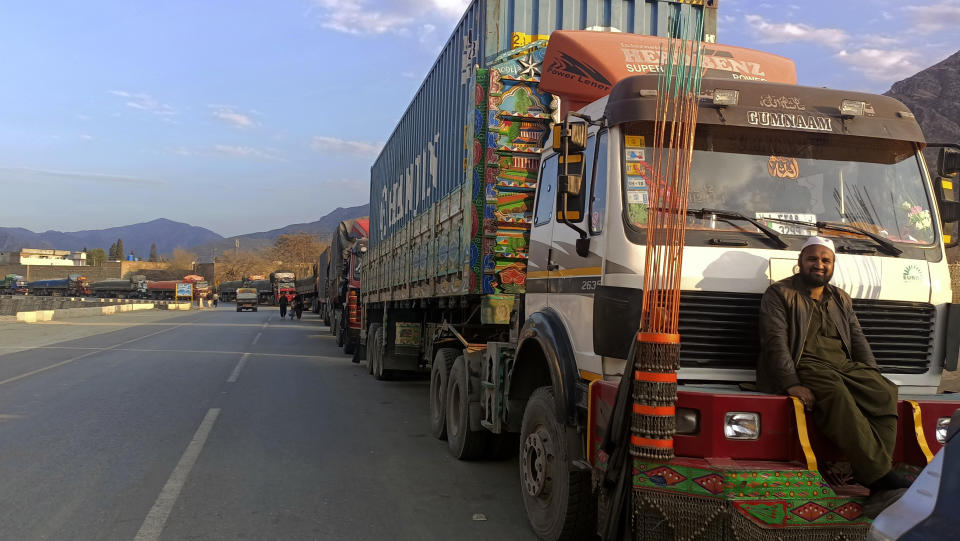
{"x": 725, "y": 97}
{"x": 852, "y": 108}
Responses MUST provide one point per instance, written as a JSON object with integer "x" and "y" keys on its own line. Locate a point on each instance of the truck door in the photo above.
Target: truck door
{"x": 574, "y": 278}
{"x": 541, "y": 236}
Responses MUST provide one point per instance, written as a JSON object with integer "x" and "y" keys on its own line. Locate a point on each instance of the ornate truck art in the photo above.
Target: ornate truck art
{"x": 512, "y": 119}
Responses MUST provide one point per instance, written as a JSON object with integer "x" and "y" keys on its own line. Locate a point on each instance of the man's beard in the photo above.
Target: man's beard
{"x": 815, "y": 280}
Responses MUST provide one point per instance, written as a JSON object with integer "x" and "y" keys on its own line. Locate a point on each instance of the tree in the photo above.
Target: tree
{"x": 182, "y": 259}
{"x": 96, "y": 257}
{"x": 121, "y": 254}
{"x": 297, "y": 252}
{"x": 235, "y": 265}
{"x": 153, "y": 252}
{"x": 113, "y": 252}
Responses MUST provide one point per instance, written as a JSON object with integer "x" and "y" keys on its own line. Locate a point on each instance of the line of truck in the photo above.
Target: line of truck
{"x": 77, "y": 285}
{"x": 506, "y": 248}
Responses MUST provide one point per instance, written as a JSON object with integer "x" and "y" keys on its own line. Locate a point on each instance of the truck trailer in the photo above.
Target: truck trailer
{"x": 228, "y": 290}
{"x": 520, "y": 289}
{"x": 120, "y": 288}
{"x": 73, "y": 285}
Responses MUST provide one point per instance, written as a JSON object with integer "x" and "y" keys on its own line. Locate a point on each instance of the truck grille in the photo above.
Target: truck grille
{"x": 719, "y": 330}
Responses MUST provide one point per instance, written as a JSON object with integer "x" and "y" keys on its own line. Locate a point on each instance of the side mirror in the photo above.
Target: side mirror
{"x": 573, "y": 133}
{"x": 948, "y": 162}
{"x": 947, "y": 193}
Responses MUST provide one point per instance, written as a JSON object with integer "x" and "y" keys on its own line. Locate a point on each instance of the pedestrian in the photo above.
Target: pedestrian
{"x": 813, "y": 348}
{"x": 298, "y": 304}
{"x": 216, "y": 298}
{"x": 283, "y": 306}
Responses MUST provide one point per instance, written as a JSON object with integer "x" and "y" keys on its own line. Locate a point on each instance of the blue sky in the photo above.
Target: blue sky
{"x": 243, "y": 116}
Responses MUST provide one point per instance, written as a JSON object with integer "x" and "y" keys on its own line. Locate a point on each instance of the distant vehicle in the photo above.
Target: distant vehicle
{"x": 264, "y": 290}
{"x": 312, "y": 289}
{"x": 162, "y": 289}
{"x": 201, "y": 288}
{"x": 284, "y": 285}
{"x": 247, "y": 298}
{"x": 13, "y": 284}
{"x": 74, "y": 284}
{"x": 341, "y": 282}
{"x": 120, "y": 288}
{"x": 228, "y": 290}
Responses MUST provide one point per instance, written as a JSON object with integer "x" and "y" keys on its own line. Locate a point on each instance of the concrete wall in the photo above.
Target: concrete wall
{"x": 46, "y": 272}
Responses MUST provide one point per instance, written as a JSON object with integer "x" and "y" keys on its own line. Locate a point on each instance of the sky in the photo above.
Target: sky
{"x": 244, "y": 116}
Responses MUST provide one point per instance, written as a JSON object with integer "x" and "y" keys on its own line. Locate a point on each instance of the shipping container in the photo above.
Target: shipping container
{"x": 452, "y": 190}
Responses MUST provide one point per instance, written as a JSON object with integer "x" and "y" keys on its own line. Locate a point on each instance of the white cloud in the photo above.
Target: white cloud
{"x": 935, "y": 16}
{"x": 332, "y": 144}
{"x": 240, "y": 151}
{"x": 881, "y": 64}
{"x": 230, "y": 116}
{"x": 359, "y": 17}
{"x": 22, "y": 174}
{"x": 86, "y": 137}
{"x": 144, "y": 102}
{"x": 770, "y": 32}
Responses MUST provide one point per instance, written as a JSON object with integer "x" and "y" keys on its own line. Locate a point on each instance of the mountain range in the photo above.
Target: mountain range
{"x": 167, "y": 235}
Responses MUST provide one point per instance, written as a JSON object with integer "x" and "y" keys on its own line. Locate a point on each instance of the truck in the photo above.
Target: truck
{"x": 312, "y": 288}
{"x": 284, "y": 285}
{"x": 72, "y": 285}
{"x": 341, "y": 282}
{"x": 264, "y": 289}
{"x": 519, "y": 288}
{"x": 247, "y": 298}
{"x": 13, "y": 284}
{"x": 120, "y": 288}
{"x": 162, "y": 289}
{"x": 228, "y": 290}
{"x": 201, "y": 288}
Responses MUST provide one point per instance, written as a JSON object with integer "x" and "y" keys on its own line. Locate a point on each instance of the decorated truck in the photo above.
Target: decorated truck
{"x": 343, "y": 283}
{"x": 13, "y": 284}
{"x": 284, "y": 285}
{"x": 515, "y": 275}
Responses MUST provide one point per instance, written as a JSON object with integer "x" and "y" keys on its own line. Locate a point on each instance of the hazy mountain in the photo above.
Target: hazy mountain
{"x": 324, "y": 227}
{"x": 932, "y": 96}
{"x": 166, "y": 234}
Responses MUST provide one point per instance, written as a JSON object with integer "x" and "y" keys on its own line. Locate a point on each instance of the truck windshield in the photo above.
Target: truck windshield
{"x": 875, "y": 184}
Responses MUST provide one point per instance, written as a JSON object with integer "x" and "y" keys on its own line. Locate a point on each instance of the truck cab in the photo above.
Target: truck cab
{"x": 773, "y": 163}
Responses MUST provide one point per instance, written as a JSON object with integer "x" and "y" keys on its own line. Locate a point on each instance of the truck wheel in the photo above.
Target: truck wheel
{"x": 558, "y": 500}
{"x": 463, "y": 443}
{"x": 339, "y": 331}
{"x": 372, "y": 345}
{"x": 374, "y": 356}
{"x": 439, "y": 378}
{"x": 326, "y": 317}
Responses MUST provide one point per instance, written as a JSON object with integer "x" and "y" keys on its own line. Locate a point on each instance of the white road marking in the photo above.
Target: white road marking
{"x": 85, "y": 355}
{"x": 156, "y": 519}
{"x": 197, "y": 351}
{"x": 236, "y": 371}
{"x": 257, "y": 338}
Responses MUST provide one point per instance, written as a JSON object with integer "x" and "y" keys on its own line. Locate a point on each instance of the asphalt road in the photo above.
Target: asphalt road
{"x": 222, "y": 425}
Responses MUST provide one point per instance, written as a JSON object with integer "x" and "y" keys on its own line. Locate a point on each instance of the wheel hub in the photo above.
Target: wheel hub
{"x": 534, "y": 462}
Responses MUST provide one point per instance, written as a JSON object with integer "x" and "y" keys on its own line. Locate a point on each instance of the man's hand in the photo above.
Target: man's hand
{"x": 804, "y": 394}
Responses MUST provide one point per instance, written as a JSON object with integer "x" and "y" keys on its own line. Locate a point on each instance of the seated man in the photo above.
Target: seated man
{"x": 812, "y": 347}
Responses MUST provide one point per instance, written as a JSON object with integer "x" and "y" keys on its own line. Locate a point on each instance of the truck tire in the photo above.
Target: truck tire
{"x": 375, "y": 353}
{"x": 439, "y": 378}
{"x": 372, "y": 345}
{"x": 338, "y": 332}
{"x": 463, "y": 443}
{"x": 557, "y": 498}
{"x": 326, "y": 317}
{"x": 315, "y": 306}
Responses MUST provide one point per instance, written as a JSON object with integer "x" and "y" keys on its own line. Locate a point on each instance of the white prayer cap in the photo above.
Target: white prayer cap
{"x": 812, "y": 241}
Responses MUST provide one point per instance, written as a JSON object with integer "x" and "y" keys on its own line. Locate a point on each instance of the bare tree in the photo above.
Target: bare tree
{"x": 238, "y": 265}
{"x": 297, "y": 252}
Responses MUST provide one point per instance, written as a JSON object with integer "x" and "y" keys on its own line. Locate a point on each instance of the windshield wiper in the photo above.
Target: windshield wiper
{"x": 731, "y": 215}
{"x": 884, "y": 244}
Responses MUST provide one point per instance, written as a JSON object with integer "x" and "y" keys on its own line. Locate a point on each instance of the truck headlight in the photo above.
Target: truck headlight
{"x": 688, "y": 421}
{"x": 741, "y": 425}
{"x": 943, "y": 424}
